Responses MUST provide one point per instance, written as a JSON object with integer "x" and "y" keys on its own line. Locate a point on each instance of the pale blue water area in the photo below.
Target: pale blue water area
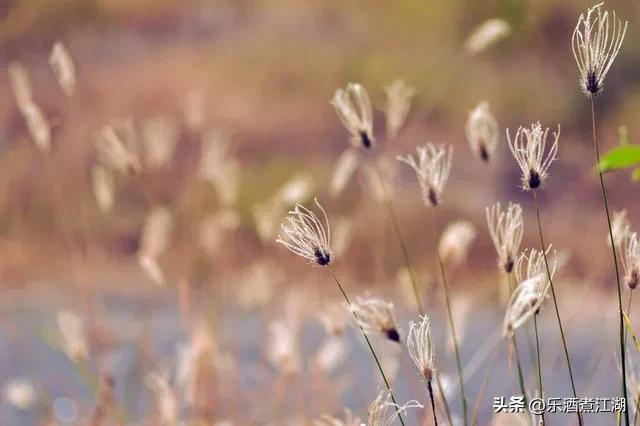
{"x": 27, "y": 345}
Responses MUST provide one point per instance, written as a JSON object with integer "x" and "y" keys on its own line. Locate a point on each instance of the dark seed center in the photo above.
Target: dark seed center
{"x": 534, "y": 179}
{"x": 392, "y": 334}
{"x": 323, "y": 258}
{"x": 592, "y": 83}
{"x": 433, "y": 197}
{"x": 366, "y": 141}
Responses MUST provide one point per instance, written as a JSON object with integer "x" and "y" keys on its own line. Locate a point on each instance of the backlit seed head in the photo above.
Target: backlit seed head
{"x": 376, "y": 316}
{"x": 353, "y": 107}
{"x": 525, "y": 302}
{"x": 420, "y": 347}
{"x": 631, "y": 259}
{"x": 528, "y": 148}
{"x": 486, "y": 35}
{"x": 596, "y": 41}
{"x": 482, "y": 131}
{"x": 383, "y": 412}
{"x": 455, "y": 242}
{"x": 506, "y": 230}
{"x": 306, "y": 235}
{"x": 432, "y": 165}
{"x": 398, "y": 106}
{"x": 63, "y": 68}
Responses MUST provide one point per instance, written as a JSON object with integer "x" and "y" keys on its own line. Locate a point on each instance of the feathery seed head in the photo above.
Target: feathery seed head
{"x": 531, "y": 264}
{"x": 306, "y": 235}
{"x": 482, "y": 131}
{"x": 383, "y": 412}
{"x": 354, "y": 110}
{"x": 528, "y": 147}
{"x": 116, "y": 152}
{"x": 486, "y": 35}
{"x": 506, "y": 230}
{"x": 525, "y": 302}
{"x": 619, "y": 227}
{"x": 455, "y": 241}
{"x": 432, "y": 165}
{"x": 631, "y": 259}
{"x": 420, "y": 347}
{"x": 376, "y": 315}
{"x": 63, "y": 68}
{"x": 327, "y": 420}
{"x": 398, "y": 105}
{"x": 596, "y": 42}
{"x": 103, "y": 184}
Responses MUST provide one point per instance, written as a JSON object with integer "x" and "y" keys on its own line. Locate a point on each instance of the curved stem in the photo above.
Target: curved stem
{"x": 520, "y": 375}
{"x": 403, "y": 246}
{"x": 555, "y": 301}
{"x": 373, "y": 352}
{"x": 483, "y": 386}
{"x": 433, "y": 405}
{"x": 540, "y": 389}
{"x": 445, "y": 286}
{"x": 615, "y": 261}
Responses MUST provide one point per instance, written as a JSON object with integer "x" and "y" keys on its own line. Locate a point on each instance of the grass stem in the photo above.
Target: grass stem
{"x": 445, "y": 286}
{"x": 540, "y": 388}
{"x": 555, "y": 300}
{"x": 623, "y": 360}
{"x": 373, "y": 352}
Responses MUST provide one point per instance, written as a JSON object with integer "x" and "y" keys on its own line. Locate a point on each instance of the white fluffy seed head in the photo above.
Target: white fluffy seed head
{"x": 529, "y": 149}
{"x": 631, "y": 259}
{"x": 456, "y": 241}
{"x": 376, "y": 316}
{"x": 63, "y": 68}
{"x": 306, "y": 235}
{"x": 486, "y": 35}
{"x": 596, "y": 41}
{"x": 525, "y": 302}
{"x": 353, "y": 107}
{"x": 482, "y": 131}
{"x": 432, "y": 165}
{"x": 420, "y": 347}
{"x": 399, "y": 96}
{"x": 506, "y": 230}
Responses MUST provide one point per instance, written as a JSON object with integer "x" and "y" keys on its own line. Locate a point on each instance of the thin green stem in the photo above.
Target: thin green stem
{"x": 445, "y": 286}
{"x": 555, "y": 301}
{"x": 540, "y": 389}
{"x": 373, "y": 352}
{"x": 403, "y": 246}
{"x": 626, "y": 330}
{"x": 615, "y": 261}
{"x": 523, "y": 389}
{"x": 635, "y": 417}
{"x": 433, "y": 405}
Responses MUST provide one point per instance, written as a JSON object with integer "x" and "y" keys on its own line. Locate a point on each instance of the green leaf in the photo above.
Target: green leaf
{"x": 635, "y": 175}
{"x": 620, "y": 157}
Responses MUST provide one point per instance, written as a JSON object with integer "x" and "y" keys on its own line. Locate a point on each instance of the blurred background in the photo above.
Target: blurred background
{"x": 236, "y": 95}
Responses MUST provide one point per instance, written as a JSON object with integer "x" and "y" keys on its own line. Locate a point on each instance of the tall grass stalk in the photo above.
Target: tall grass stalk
{"x": 445, "y": 286}
{"x": 373, "y": 352}
{"x": 483, "y": 386}
{"x": 433, "y": 405}
{"x": 540, "y": 388}
{"x": 403, "y": 246}
{"x": 523, "y": 388}
{"x": 555, "y": 301}
{"x": 414, "y": 281}
{"x": 623, "y": 360}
